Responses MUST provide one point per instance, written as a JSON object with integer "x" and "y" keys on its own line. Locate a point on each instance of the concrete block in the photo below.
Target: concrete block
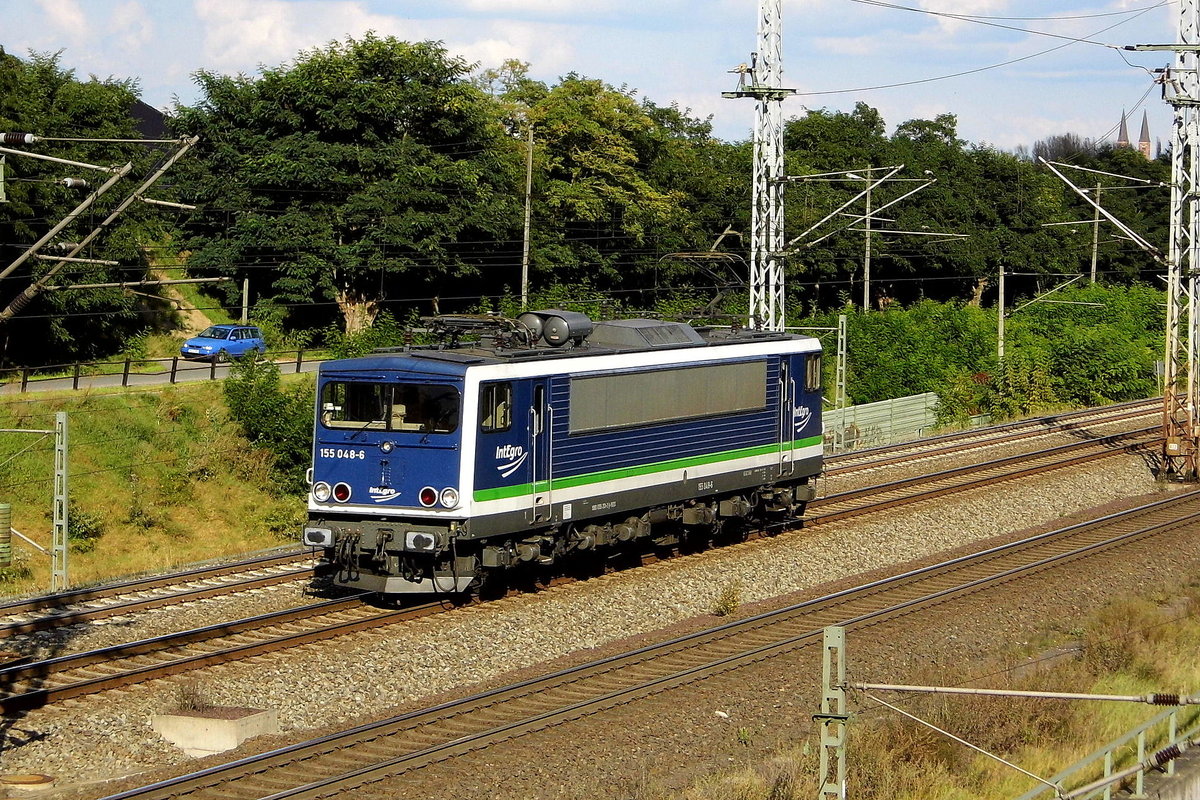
{"x": 214, "y": 730}
{"x": 22, "y": 785}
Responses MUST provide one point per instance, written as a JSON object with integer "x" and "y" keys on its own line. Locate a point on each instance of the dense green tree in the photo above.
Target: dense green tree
{"x": 365, "y": 169}
{"x": 986, "y": 210}
{"x": 598, "y": 209}
{"x": 1136, "y": 191}
{"x": 39, "y": 96}
{"x": 617, "y": 184}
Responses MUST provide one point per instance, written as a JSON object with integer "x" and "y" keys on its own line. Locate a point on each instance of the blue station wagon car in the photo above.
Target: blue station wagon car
{"x": 223, "y": 342}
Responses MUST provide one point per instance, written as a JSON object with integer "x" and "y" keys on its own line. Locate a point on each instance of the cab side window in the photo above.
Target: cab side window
{"x": 812, "y": 373}
{"x": 495, "y": 407}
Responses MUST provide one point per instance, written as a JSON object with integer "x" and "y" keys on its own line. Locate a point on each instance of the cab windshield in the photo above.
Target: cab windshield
{"x": 414, "y": 407}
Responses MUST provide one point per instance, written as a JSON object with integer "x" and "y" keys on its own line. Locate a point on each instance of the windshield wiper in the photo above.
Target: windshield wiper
{"x": 368, "y": 424}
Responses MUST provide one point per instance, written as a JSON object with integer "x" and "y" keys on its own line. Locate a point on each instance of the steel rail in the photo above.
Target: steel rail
{"x": 1012, "y": 432}
{"x": 100, "y": 602}
{"x": 58, "y": 683}
{"x": 956, "y": 480}
{"x": 482, "y": 720}
{"x": 269, "y": 631}
{"x": 71, "y": 608}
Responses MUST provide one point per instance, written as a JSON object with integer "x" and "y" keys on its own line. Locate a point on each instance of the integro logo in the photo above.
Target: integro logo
{"x": 511, "y": 457}
{"x": 381, "y": 494}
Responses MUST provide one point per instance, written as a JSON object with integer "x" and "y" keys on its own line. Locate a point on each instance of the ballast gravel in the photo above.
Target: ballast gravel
{"x": 339, "y": 682}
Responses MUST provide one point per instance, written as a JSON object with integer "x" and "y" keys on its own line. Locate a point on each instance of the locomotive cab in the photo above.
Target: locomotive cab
{"x": 387, "y": 473}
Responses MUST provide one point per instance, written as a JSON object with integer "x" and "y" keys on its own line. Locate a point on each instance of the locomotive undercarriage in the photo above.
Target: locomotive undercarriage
{"x": 399, "y": 557}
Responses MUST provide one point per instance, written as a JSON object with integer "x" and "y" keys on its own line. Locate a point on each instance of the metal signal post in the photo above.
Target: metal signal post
{"x": 763, "y": 81}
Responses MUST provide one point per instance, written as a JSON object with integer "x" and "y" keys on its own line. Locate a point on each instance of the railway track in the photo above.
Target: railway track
{"x": 993, "y": 435}
{"x": 972, "y": 476}
{"x": 32, "y": 685}
{"x": 371, "y": 760}
{"x": 80, "y": 606}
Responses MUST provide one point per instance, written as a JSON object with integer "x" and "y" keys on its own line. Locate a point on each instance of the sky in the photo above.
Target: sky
{"x": 1020, "y": 74}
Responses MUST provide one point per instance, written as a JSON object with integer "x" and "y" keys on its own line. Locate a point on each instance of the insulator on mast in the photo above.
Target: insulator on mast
{"x": 18, "y": 138}
{"x": 74, "y": 183}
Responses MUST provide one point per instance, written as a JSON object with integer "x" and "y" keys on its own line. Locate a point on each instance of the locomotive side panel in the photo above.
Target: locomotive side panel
{"x": 629, "y": 439}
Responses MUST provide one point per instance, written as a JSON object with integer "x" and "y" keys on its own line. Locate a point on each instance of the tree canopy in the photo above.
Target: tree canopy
{"x": 375, "y": 174}
{"x": 363, "y": 167}
{"x": 39, "y": 96}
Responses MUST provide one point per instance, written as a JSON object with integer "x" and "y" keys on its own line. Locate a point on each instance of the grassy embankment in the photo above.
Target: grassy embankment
{"x": 1132, "y": 647}
{"x": 157, "y": 479}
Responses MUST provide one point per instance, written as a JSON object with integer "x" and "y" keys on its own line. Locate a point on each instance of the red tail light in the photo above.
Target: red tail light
{"x": 428, "y": 496}
{"x": 341, "y": 492}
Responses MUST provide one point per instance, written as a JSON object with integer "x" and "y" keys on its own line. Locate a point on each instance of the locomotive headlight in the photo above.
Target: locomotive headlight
{"x": 322, "y": 491}
{"x": 386, "y": 447}
{"x": 450, "y": 497}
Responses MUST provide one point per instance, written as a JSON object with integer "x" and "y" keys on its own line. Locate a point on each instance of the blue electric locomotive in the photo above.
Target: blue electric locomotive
{"x": 435, "y": 467}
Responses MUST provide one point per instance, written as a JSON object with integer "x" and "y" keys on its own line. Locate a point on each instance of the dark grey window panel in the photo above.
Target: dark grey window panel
{"x": 647, "y": 397}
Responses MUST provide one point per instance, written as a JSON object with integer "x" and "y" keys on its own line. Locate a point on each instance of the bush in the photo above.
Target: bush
{"x": 278, "y": 420}
{"x": 286, "y": 519}
{"x": 84, "y": 530}
{"x": 16, "y": 572}
{"x": 385, "y": 332}
{"x": 728, "y": 600}
{"x": 269, "y": 316}
{"x": 190, "y": 697}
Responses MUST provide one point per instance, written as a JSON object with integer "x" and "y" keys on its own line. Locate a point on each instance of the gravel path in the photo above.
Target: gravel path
{"x": 404, "y": 666}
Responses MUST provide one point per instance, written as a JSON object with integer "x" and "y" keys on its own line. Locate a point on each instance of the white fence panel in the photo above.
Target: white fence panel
{"x": 881, "y": 423}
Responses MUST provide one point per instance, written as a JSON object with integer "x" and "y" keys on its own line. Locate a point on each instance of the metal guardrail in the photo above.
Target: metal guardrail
{"x": 128, "y": 370}
{"x": 1133, "y": 746}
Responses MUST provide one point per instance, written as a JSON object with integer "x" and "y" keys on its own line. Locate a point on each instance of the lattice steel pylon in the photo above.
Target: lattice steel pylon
{"x": 1181, "y": 396}
{"x": 763, "y": 81}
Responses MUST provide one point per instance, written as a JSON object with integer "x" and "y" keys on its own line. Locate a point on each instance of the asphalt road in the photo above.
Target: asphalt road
{"x": 186, "y": 372}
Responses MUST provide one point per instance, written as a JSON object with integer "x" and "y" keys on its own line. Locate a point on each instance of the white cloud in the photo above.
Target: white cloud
{"x": 131, "y": 25}
{"x": 549, "y": 49}
{"x": 239, "y": 35}
{"x": 66, "y": 17}
{"x": 558, "y": 8}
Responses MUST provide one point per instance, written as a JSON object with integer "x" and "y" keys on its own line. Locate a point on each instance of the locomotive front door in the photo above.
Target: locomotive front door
{"x": 787, "y": 426}
{"x": 540, "y": 425}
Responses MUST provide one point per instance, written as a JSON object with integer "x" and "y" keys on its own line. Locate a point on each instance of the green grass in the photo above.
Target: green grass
{"x": 195, "y": 297}
{"x": 1134, "y": 646}
{"x": 166, "y": 476}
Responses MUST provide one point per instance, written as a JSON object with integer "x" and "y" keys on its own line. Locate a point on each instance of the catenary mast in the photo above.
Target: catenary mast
{"x": 1181, "y": 397}
{"x": 763, "y": 81}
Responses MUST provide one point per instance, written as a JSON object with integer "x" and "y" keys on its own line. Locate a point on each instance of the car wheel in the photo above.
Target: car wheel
{"x": 222, "y": 357}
